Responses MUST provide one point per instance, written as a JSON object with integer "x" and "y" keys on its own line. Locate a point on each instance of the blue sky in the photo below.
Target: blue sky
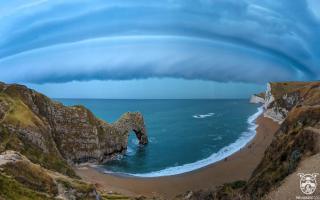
{"x": 158, "y": 49}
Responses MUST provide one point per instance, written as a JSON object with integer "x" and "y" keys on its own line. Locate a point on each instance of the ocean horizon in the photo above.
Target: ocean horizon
{"x": 159, "y": 100}
{"x": 184, "y": 134}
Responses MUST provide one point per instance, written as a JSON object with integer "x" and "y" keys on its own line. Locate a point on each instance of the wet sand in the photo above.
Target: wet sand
{"x": 238, "y": 166}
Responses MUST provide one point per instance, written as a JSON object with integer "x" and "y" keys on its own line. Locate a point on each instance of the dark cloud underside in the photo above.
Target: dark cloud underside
{"x": 220, "y": 40}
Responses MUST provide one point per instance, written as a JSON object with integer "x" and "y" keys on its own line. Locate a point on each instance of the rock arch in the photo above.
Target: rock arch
{"x": 71, "y": 133}
{"x": 132, "y": 121}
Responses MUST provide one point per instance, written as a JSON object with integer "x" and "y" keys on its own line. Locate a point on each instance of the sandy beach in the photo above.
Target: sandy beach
{"x": 238, "y": 166}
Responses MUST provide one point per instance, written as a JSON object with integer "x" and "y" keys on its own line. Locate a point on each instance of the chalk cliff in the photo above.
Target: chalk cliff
{"x": 258, "y": 98}
{"x": 40, "y": 138}
{"x": 296, "y": 106}
{"x": 280, "y": 98}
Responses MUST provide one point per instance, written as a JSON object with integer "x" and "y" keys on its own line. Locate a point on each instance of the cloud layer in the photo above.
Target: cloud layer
{"x": 220, "y": 40}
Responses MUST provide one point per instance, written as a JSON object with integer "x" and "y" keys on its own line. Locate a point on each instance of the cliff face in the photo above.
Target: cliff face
{"x": 51, "y": 134}
{"x": 40, "y": 138}
{"x": 258, "y": 98}
{"x": 296, "y": 106}
{"x": 280, "y": 98}
{"x": 297, "y": 139}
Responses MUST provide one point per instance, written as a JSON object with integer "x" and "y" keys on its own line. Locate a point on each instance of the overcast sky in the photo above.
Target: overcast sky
{"x": 158, "y": 49}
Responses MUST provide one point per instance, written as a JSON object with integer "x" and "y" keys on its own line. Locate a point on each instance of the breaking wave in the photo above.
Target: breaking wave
{"x": 203, "y": 116}
{"x": 245, "y": 137}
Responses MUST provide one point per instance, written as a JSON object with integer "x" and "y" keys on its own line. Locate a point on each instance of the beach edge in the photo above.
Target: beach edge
{"x": 237, "y": 166}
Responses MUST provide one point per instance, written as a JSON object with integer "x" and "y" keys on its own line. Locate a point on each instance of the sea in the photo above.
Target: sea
{"x": 184, "y": 135}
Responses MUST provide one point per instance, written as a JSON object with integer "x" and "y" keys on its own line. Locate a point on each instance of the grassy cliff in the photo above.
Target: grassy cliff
{"x": 41, "y": 139}
{"x": 22, "y": 179}
{"x": 298, "y": 138}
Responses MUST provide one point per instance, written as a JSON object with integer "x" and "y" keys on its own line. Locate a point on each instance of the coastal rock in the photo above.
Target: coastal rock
{"x": 9, "y": 157}
{"x": 297, "y": 139}
{"x": 66, "y": 133}
{"x": 258, "y": 98}
{"x": 297, "y": 106}
{"x": 281, "y": 97}
{"x": 22, "y": 179}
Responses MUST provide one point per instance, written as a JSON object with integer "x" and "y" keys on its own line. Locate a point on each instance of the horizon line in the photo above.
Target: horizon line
{"x": 85, "y": 98}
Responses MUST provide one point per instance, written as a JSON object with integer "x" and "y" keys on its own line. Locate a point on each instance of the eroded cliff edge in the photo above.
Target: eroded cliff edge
{"x": 22, "y": 179}
{"x": 41, "y": 139}
{"x": 53, "y": 134}
{"x": 296, "y": 107}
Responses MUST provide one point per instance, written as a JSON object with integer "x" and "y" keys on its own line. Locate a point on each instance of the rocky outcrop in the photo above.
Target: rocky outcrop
{"x": 258, "y": 98}
{"x": 33, "y": 124}
{"x": 40, "y": 138}
{"x": 22, "y": 179}
{"x": 281, "y": 97}
{"x": 278, "y": 100}
{"x": 296, "y": 105}
{"x": 297, "y": 139}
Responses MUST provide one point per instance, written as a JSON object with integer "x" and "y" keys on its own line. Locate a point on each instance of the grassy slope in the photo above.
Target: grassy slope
{"x": 25, "y": 181}
{"x": 20, "y": 115}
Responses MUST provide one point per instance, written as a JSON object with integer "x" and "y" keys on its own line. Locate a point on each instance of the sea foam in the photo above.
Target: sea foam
{"x": 241, "y": 142}
{"x": 203, "y": 116}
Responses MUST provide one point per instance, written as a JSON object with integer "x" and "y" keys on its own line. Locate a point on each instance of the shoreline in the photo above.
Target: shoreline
{"x": 237, "y": 166}
{"x": 245, "y": 138}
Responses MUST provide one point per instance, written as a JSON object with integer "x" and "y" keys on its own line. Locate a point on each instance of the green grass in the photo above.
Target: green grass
{"x": 83, "y": 188}
{"x": 10, "y": 189}
{"x": 19, "y": 113}
{"x": 31, "y": 176}
{"x": 114, "y": 197}
{"x": 11, "y": 141}
{"x": 80, "y": 186}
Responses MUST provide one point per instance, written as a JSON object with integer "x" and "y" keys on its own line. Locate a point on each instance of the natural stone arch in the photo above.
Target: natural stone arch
{"x": 71, "y": 133}
{"x": 132, "y": 121}
{"x": 142, "y": 137}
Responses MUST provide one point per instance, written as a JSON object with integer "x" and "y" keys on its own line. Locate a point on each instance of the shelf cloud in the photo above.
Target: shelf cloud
{"x": 220, "y": 40}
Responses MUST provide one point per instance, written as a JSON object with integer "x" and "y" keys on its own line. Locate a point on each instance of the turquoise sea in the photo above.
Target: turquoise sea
{"x": 184, "y": 135}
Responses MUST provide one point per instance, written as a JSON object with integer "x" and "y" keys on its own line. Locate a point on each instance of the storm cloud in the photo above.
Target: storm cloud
{"x": 220, "y": 40}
